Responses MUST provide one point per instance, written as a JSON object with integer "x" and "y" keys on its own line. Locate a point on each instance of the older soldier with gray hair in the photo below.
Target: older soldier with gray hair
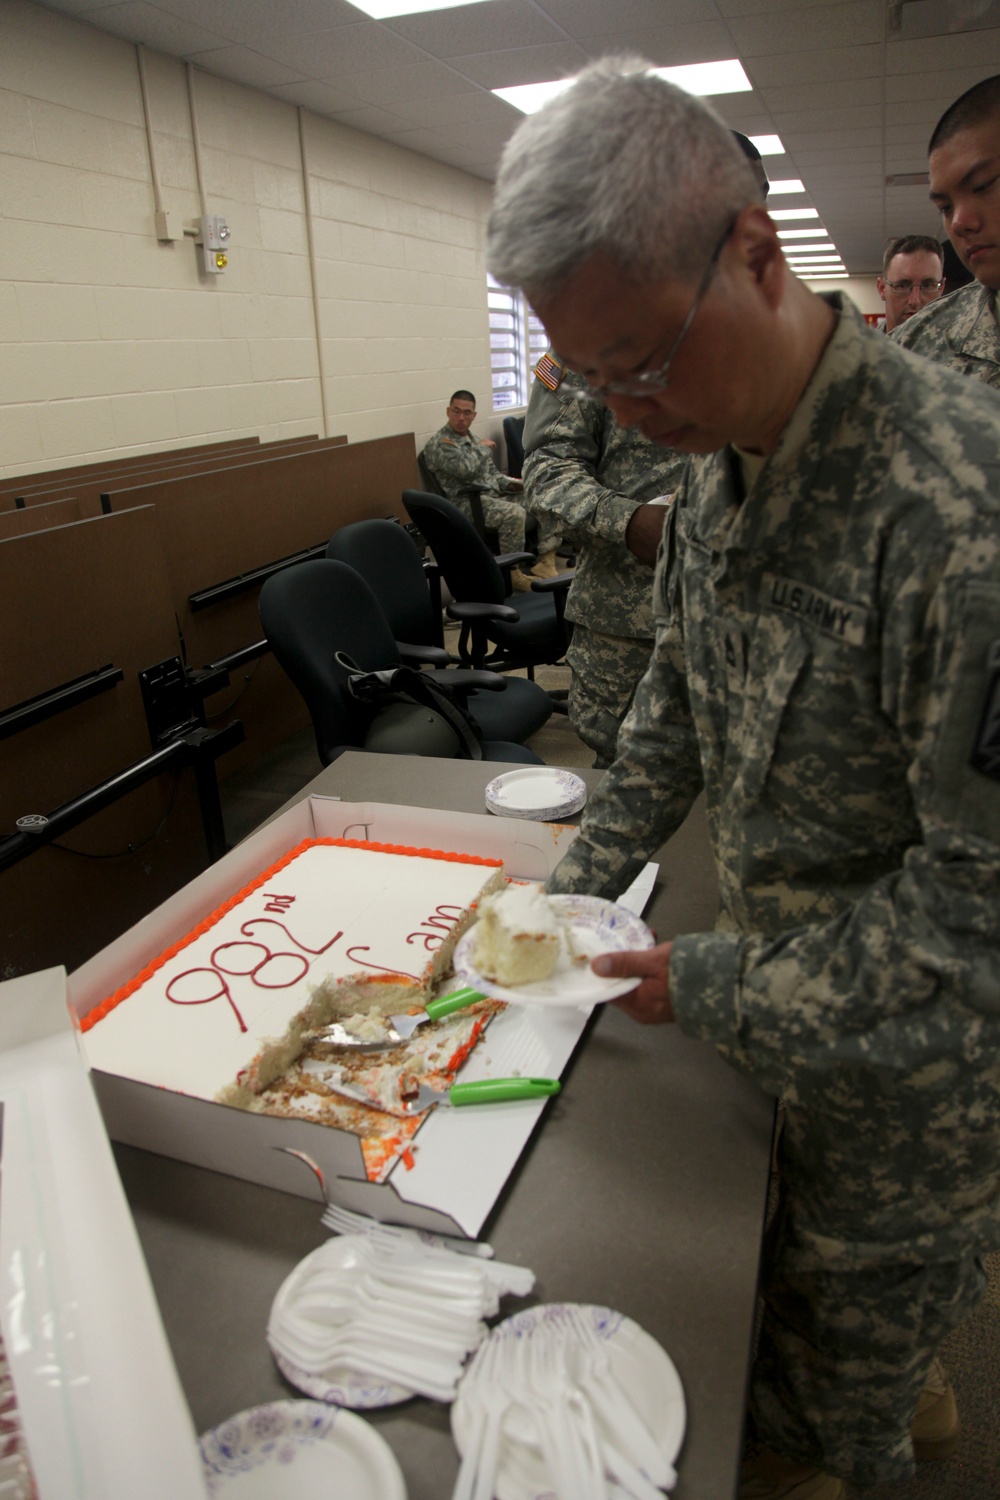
{"x": 827, "y": 668}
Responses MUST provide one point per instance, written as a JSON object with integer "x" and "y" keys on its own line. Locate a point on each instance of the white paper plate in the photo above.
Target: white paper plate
{"x": 540, "y": 793}
{"x": 598, "y": 926}
{"x": 642, "y": 1368}
{"x": 339, "y": 1384}
{"x": 299, "y": 1450}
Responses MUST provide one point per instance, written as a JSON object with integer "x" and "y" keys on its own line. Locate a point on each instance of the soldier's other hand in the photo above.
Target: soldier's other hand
{"x": 649, "y": 1002}
{"x": 487, "y": 443}
{"x": 643, "y": 533}
{"x": 515, "y": 484}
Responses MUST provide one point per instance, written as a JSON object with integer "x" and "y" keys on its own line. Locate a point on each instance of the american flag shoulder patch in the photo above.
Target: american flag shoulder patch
{"x": 550, "y": 372}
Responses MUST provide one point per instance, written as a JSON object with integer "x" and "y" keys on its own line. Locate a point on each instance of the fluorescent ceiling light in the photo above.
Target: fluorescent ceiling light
{"x": 786, "y": 185}
{"x": 768, "y": 145}
{"x": 823, "y": 276}
{"x": 815, "y": 260}
{"x": 794, "y": 213}
{"x": 381, "y": 10}
{"x": 694, "y": 78}
{"x": 801, "y": 234}
{"x": 798, "y": 251}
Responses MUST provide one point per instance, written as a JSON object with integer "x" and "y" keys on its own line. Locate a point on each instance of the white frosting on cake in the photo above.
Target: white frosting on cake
{"x": 333, "y": 929}
{"x": 518, "y": 936}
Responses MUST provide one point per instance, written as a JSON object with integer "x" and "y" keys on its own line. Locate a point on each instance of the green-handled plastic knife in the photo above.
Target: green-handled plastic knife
{"x": 485, "y": 1091}
{"x": 401, "y": 1028}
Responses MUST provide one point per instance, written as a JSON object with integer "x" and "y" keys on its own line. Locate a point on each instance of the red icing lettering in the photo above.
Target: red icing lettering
{"x": 268, "y": 922}
{"x": 221, "y": 989}
{"x": 381, "y": 968}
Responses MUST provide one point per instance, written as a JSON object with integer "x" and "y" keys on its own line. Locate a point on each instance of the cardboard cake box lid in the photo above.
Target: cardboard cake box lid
{"x": 463, "y": 1157}
{"x": 98, "y": 1398}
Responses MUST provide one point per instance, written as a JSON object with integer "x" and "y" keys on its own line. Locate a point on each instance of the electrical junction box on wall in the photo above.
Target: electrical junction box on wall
{"x": 214, "y": 236}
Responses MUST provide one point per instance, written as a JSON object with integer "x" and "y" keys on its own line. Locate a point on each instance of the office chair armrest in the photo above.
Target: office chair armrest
{"x": 431, "y": 656}
{"x": 468, "y": 610}
{"x": 467, "y": 679}
{"x": 557, "y": 585}
{"x": 514, "y": 559}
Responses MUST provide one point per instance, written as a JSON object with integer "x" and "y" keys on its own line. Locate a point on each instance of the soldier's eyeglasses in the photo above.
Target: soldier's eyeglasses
{"x": 650, "y": 381}
{"x": 904, "y": 288}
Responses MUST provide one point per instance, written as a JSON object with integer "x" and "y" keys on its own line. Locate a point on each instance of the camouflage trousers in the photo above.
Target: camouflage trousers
{"x": 844, "y": 1351}
{"x": 509, "y": 519}
{"x": 604, "y": 673}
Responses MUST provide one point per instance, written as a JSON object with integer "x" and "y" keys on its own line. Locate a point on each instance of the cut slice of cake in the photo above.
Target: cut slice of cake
{"x": 518, "y": 937}
{"x": 334, "y": 927}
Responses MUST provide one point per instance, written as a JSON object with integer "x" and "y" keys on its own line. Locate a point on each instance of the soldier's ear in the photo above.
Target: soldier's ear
{"x": 755, "y": 240}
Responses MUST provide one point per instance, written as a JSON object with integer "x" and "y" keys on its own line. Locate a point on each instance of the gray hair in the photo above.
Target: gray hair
{"x": 621, "y": 162}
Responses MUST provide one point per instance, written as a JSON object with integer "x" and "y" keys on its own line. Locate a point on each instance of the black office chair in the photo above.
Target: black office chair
{"x": 513, "y": 436}
{"x": 388, "y": 560}
{"x": 316, "y": 610}
{"x": 500, "y": 630}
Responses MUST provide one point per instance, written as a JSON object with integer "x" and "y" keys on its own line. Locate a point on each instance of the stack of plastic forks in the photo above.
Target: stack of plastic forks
{"x": 395, "y": 1309}
{"x": 544, "y": 1381}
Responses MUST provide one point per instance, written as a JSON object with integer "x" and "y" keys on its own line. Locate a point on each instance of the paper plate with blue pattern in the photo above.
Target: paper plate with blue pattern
{"x": 543, "y": 794}
{"x": 299, "y": 1450}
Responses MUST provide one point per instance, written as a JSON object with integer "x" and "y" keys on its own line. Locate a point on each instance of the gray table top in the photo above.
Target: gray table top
{"x": 643, "y": 1190}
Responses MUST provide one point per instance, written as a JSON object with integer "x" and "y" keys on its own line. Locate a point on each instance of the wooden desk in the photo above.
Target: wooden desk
{"x": 644, "y": 1190}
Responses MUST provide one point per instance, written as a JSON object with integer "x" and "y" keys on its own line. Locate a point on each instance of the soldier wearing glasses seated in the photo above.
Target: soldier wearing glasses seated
{"x": 961, "y": 330}
{"x": 826, "y": 668}
{"x": 912, "y": 276}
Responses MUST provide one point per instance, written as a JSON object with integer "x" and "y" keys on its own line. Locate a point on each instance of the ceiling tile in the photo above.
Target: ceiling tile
{"x": 324, "y": 98}
{"x": 253, "y": 20}
{"x": 463, "y": 112}
{"x": 477, "y": 28}
{"x": 830, "y": 99}
{"x": 371, "y": 120}
{"x": 825, "y": 66}
{"x": 618, "y": 20}
{"x": 425, "y": 80}
{"x": 932, "y": 54}
{"x": 666, "y": 46}
{"x": 345, "y": 49}
{"x": 818, "y": 28}
{"x": 139, "y": 22}
{"x": 245, "y": 66}
{"x": 494, "y": 70}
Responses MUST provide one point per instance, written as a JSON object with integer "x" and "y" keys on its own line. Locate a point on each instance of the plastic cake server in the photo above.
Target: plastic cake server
{"x": 484, "y": 1091}
{"x": 400, "y": 1028}
{"x": 479, "y": 1091}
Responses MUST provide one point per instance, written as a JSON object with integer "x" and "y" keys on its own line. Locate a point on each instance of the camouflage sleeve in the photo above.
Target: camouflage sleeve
{"x": 563, "y": 443}
{"x": 458, "y": 467}
{"x": 648, "y": 792}
{"x": 900, "y": 981}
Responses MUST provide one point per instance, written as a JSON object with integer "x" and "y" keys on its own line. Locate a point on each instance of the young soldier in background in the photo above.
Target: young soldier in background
{"x": 961, "y": 330}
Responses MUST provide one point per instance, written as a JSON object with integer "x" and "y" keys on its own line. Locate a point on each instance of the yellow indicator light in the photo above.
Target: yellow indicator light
{"x": 221, "y": 260}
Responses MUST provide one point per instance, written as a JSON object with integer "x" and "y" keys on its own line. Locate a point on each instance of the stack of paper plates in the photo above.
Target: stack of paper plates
{"x": 541, "y": 793}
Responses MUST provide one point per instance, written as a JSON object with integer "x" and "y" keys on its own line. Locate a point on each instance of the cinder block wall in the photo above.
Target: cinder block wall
{"x": 114, "y": 342}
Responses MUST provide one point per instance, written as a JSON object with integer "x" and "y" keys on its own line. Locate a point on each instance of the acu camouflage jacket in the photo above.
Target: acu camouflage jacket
{"x": 827, "y": 667}
{"x": 959, "y": 331}
{"x": 588, "y": 475}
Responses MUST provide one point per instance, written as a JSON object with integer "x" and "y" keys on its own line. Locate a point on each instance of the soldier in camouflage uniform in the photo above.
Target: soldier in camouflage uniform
{"x": 461, "y": 465}
{"x": 827, "y": 668}
{"x": 961, "y": 330}
{"x": 595, "y": 480}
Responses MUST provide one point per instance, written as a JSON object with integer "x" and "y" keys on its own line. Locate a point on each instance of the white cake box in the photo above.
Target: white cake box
{"x": 461, "y": 1157}
{"x": 99, "y": 1404}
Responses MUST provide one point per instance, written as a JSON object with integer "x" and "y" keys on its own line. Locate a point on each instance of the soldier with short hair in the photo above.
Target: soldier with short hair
{"x": 461, "y": 465}
{"x": 912, "y": 276}
{"x": 826, "y": 668}
{"x": 964, "y": 159}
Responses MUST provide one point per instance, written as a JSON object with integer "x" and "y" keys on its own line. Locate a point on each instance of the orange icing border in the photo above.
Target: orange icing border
{"x": 124, "y": 991}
